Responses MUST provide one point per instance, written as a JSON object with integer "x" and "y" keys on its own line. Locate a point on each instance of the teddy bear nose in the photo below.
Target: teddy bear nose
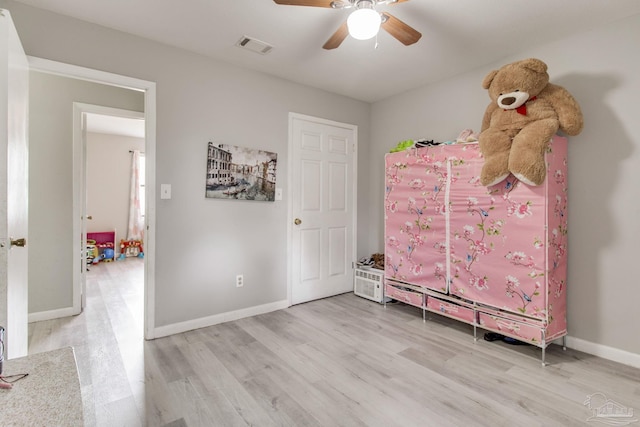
{"x": 508, "y": 101}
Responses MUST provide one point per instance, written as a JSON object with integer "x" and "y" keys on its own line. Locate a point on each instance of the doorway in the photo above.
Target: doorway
{"x": 149, "y": 92}
{"x": 113, "y": 209}
{"x": 322, "y": 207}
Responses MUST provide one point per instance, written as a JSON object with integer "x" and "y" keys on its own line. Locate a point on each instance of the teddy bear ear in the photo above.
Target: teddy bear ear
{"x": 535, "y": 65}
{"x": 487, "y": 80}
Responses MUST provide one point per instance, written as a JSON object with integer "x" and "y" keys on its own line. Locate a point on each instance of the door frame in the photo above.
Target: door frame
{"x": 80, "y": 190}
{"x": 149, "y": 89}
{"x": 354, "y": 207}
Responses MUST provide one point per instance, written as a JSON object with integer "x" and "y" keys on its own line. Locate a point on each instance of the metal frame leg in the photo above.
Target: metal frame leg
{"x": 544, "y": 348}
{"x": 475, "y": 325}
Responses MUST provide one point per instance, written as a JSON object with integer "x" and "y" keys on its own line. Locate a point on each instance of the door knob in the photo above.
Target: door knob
{"x": 297, "y": 221}
{"x": 18, "y": 242}
{"x": 89, "y": 217}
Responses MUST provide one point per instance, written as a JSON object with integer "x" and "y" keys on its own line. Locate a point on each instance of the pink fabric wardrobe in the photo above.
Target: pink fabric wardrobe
{"x": 494, "y": 257}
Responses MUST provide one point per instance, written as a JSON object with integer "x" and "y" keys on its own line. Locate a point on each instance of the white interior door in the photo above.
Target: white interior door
{"x": 322, "y": 207}
{"x": 14, "y": 163}
{"x": 83, "y": 205}
{"x": 79, "y": 207}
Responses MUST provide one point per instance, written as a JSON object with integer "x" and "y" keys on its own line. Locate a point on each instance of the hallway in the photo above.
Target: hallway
{"x": 108, "y": 333}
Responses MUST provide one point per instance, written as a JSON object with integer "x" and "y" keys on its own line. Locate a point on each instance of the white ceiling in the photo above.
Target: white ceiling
{"x": 113, "y": 125}
{"x": 457, "y": 35}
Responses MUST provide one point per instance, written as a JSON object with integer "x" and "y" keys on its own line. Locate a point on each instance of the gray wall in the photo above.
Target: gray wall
{"x": 601, "y": 68}
{"x": 51, "y": 180}
{"x": 201, "y": 244}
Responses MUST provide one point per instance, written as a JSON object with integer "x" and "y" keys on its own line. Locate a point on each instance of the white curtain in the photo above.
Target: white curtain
{"x": 136, "y": 199}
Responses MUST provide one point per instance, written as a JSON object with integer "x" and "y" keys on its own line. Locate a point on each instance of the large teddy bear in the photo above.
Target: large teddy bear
{"x": 525, "y": 112}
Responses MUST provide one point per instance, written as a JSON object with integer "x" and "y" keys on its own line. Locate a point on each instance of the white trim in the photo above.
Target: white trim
{"x": 87, "y": 74}
{"x": 79, "y": 187}
{"x": 203, "y": 322}
{"x": 149, "y": 89}
{"x": 51, "y": 314}
{"x": 109, "y": 111}
{"x": 606, "y": 352}
{"x": 150, "y": 214}
{"x": 77, "y": 210}
{"x": 354, "y": 250}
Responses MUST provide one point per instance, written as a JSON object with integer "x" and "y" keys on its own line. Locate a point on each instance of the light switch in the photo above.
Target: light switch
{"x": 278, "y": 194}
{"x": 165, "y": 191}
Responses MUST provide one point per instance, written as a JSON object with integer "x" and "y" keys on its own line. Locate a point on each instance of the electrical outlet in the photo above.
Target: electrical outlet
{"x": 239, "y": 281}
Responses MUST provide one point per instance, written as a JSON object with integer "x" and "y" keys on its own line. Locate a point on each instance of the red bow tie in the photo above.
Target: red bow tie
{"x": 523, "y": 108}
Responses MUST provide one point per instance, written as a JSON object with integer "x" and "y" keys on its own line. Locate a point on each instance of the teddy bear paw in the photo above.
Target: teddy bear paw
{"x": 488, "y": 182}
{"x": 524, "y": 179}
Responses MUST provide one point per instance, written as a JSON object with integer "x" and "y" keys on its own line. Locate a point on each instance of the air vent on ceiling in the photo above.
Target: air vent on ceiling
{"x": 254, "y": 45}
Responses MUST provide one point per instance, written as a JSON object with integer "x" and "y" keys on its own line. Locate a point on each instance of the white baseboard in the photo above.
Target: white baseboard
{"x": 606, "y": 352}
{"x": 51, "y": 314}
{"x": 203, "y": 322}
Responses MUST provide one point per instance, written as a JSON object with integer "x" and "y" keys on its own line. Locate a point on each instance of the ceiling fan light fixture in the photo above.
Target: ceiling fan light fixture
{"x": 364, "y": 23}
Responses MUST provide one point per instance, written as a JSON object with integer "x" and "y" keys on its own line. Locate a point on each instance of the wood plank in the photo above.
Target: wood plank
{"x": 343, "y": 361}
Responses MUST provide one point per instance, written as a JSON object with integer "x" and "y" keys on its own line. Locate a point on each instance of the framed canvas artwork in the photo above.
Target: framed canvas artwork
{"x": 240, "y": 173}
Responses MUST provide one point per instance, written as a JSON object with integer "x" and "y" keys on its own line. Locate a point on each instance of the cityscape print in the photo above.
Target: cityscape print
{"x": 240, "y": 173}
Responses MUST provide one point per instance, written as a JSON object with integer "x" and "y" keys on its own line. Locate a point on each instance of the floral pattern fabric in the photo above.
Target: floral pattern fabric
{"x": 502, "y": 246}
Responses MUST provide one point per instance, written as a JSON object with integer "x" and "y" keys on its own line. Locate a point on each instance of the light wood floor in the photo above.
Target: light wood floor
{"x": 341, "y": 361}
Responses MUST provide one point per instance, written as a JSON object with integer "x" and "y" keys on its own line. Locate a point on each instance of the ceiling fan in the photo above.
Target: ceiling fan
{"x": 364, "y": 22}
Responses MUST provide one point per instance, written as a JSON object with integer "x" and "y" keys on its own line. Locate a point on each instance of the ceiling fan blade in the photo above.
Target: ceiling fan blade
{"x": 315, "y": 3}
{"x": 390, "y": 1}
{"x": 398, "y": 29}
{"x": 337, "y": 38}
